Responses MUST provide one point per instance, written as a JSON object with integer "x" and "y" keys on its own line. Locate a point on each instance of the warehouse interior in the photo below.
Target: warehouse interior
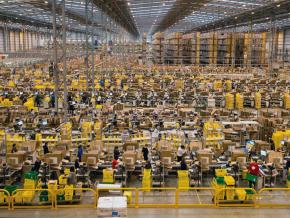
{"x": 134, "y": 108}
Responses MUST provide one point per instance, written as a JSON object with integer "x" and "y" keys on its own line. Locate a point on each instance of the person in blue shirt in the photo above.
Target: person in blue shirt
{"x": 80, "y": 153}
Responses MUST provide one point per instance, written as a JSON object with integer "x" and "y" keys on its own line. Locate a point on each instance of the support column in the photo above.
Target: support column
{"x": 55, "y": 60}
{"x": 65, "y": 105}
{"x": 87, "y": 44}
{"x": 93, "y": 52}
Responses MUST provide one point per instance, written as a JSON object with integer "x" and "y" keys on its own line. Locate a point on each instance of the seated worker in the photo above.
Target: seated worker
{"x": 72, "y": 179}
{"x": 13, "y": 149}
{"x": 77, "y": 164}
{"x": 37, "y": 165}
{"x": 183, "y": 165}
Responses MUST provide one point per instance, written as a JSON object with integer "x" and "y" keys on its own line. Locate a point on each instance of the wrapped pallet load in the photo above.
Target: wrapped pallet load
{"x": 228, "y": 85}
{"x": 287, "y": 101}
{"x": 229, "y": 101}
{"x": 258, "y": 99}
{"x": 239, "y": 101}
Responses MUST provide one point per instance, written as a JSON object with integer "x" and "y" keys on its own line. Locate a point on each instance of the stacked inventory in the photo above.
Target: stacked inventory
{"x": 174, "y": 48}
{"x": 191, "y": 48}
{"x": 158, "y": 48}
{"x": 144, "y": 45}
{"x": 208, "y": 48}
{"x": 254, "y": 49}
{"x": 224, "y": 48}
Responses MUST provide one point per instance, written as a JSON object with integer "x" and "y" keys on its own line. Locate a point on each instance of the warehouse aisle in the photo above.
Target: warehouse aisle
{"x": 152, "y": 213}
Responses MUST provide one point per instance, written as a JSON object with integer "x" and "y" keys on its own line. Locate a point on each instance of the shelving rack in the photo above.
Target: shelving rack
{"x": 173, "y": 48}
{"x": 191, "y": 47}
{"x": 208, "y": 48}
{"x": 224, "y": 48}
{"x": 158, "y": 48}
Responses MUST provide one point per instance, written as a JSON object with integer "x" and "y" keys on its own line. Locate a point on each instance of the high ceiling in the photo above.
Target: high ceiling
{"x": 149, "y": 16}
{"x": 189, "y": 15}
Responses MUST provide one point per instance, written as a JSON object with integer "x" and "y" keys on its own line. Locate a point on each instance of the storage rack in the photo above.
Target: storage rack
{"x": 191, "y": 44}
{"x": 224, "y": 48}
{"x": 158, "y": 48}
{"x": 173, "y": 48}
{"x": 208, "y": 48}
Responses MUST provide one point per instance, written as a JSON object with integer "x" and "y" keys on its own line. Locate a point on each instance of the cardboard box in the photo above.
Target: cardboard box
{"x": 236, "y": 154}
{"x": 91, "y": 158}
{"x": 28, "y": 146}
{"x": 205, "y": 153}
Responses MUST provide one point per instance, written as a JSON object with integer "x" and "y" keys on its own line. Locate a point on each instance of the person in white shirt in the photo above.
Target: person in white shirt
{"x": 180, "y": 153}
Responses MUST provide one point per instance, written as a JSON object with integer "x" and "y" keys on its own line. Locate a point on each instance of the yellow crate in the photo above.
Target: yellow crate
{"x": 241, "y": 193}
{"x": 229, "y": 180}
{"x": 182, "y": 173}
{"x": 62, "y": 180}
{"x": 108, "y": 176}
{"x": 27, "y": 196}
{"x": 220, "y": 172}
{"x": 18, "y": 198}
{"x": 230, "y": 194}
{"x": 68, "y": 197}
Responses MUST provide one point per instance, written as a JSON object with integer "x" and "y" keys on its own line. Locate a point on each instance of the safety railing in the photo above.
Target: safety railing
{"x": 157, "y": 197}
{"x": 5, "y": 199}
{"x": 32, "y": 199}
{"x": 235, "y": 197}
{"x": 274, "y": 197}
{"x": 196, "y": 197}
{"x": 147, "y": 197}
{"x": 75, "y": 198}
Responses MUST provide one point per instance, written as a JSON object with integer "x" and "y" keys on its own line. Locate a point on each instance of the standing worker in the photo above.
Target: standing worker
{"x": 253, "y": 173}
{"x": 145, "y": 152}
{"x": 116, "y": 153}
{"x": 45, "y": 148}
{"x": 180, "y": 153}
{"x": 80, "y": 153}
{"x": 14, "y": 149}
{"x": 72, "y": 179}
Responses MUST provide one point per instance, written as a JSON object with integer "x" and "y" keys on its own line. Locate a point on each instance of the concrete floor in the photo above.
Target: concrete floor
{"x": 152, "y": 213}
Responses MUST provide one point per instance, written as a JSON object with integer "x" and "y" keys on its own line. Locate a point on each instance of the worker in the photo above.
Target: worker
{"x": 50, "y": 69}
{"x": 80, "y": 152}
{"x": 254, "y": 171}
{"x": 183, "y": 165}
{"x": 37, "y": 165}
{"x": 14, "y": 149}
{"x": 45, "y": 148}
{"x": 148, "y": 165}
{"x": 72, "y": 179}
{"x": 114, "y": 163}
{"x": 52, "y": 100}
{"x": 77, "y": 164}
{"x": 37, "y": 99}
{"x": 145, "y": 152}
{"x": 180, "y": 153}
{"x": 116, "y": 153}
